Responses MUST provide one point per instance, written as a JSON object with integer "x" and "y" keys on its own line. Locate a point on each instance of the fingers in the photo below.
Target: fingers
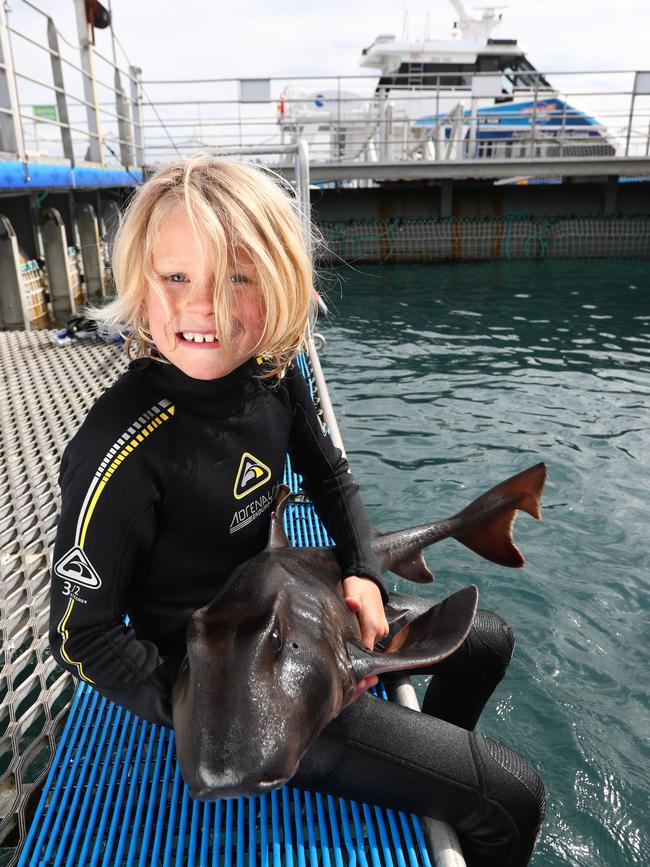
{"x": 372, "y": 630}
{"x": 373, "y": 623}
{"x": 353, "y": 603}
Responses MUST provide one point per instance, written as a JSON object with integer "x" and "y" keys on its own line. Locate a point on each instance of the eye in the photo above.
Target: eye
{"x": 176, "y": 278}
{"x": 276, "y": 639}
{"x": 237, "y": 278}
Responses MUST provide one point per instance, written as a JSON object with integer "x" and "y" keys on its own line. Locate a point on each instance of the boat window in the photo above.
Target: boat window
{"x": 517, "y": 69}
{"x": 521, "y": 72}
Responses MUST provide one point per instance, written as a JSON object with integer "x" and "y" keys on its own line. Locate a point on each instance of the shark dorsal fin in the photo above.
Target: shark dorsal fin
{"x": 277, "y": 536}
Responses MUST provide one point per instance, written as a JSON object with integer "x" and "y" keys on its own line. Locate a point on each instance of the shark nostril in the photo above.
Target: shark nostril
{"x": 294, "y": 645}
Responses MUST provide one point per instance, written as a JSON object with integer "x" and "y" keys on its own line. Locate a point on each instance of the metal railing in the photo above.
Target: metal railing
{"x": 351, "y": 119}
{"x": 64, "y": 96}
{"x": 65, "y": 99}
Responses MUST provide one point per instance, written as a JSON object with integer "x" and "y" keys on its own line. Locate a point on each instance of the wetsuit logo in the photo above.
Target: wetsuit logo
{"x": 75, "y": 567}
{"x": 250, "y": 512}
{"x": 252, "y": 474}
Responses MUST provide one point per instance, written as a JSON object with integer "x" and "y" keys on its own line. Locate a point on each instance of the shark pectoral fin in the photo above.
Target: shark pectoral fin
{"x": 401, "y": 610}
{"x": 489, "y": 519}
{"x": 431, "y": 637}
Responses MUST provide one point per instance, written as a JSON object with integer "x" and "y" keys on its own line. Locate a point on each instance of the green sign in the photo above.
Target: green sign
{"x": 45, "y": 112}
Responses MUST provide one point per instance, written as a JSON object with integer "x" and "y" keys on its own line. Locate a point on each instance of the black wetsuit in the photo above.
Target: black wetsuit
{"x": 165, "y": 490}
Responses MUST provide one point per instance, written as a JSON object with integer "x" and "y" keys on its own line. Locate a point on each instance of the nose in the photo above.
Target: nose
{"x": 200, "y": 298}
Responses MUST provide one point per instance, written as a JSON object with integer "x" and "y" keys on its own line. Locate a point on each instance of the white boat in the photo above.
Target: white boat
{"x": 469, "y": 96}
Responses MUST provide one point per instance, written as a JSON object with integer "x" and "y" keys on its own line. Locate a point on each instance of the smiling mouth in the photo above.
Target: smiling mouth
{"x": 198, "y": 339}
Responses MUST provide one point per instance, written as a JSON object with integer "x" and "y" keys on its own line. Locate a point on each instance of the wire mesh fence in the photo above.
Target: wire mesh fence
{"x": 479, "y": 238}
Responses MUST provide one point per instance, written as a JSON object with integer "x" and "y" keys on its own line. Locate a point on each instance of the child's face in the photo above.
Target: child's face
{"x": 185, "y": 275}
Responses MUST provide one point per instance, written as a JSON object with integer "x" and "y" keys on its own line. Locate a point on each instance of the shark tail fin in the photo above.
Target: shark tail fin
{"x": 487, "y": 522}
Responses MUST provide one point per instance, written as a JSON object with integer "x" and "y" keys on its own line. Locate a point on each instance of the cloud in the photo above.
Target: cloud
{"x": 261, "y": 39}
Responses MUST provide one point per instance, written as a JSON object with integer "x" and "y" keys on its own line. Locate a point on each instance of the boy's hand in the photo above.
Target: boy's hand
{"x": 362, "y": 596}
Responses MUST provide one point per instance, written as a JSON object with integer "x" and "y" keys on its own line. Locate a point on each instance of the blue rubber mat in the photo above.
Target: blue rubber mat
{"x": 115, "y": 796}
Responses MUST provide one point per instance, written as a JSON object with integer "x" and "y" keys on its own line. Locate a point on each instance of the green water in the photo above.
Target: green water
{"x": 446, "y": 380}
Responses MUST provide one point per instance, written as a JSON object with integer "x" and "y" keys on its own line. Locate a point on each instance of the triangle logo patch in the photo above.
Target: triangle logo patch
{"x": 251, "y": 475}
{"x": 75, "y": 567}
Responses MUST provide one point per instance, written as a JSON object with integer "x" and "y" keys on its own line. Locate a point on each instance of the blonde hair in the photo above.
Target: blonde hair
{"x": 230, "y": 206}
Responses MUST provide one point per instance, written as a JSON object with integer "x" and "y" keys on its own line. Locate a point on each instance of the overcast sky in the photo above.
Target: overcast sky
{"x": 256, "y": 38}
{"x": 240, "y": 38}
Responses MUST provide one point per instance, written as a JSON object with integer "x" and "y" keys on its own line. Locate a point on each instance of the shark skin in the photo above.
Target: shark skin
{"x": 277, "y": 654}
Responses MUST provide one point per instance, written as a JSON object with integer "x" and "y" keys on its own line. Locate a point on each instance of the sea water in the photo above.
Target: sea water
{"x": 448, "y": 379}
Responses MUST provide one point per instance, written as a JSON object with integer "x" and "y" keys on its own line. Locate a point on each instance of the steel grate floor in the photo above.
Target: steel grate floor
{"x": 113, "y": 793}
{"x": 45, "y": 392}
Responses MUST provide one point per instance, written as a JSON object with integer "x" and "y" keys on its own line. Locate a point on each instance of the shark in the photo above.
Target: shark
{"x": 278, "y": 654}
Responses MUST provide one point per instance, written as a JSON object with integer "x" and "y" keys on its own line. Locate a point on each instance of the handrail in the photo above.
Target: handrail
{"x": 405, "y": 75}
{"x": 118, "y": 124}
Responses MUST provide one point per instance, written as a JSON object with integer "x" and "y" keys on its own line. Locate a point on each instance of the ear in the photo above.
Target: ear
{"x": 432, "y": 637}
{"x": 277, "y": 537}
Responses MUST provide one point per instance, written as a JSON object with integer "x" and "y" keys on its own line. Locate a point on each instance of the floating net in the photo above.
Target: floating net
{"x": 512, "y": 236}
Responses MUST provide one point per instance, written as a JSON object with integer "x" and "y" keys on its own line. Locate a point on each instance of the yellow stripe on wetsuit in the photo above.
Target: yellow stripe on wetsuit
{"x": 61, "y": 629}
{"x": 130, "y": 440}
{"x": 140, "y": 437}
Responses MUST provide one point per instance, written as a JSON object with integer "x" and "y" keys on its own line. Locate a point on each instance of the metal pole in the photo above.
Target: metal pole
{"x": 95, "y": 141}
{"x": 13, "y": 306}
{"x": 136, "y": 113}
{"x": 473, "y": 123}
{"x": 110, "y": 12}
{"x": 629, "y": 125}
{"x": 123, "y": 125}
{"x": 61, "y": 102}
{"x": 437, "y": 142}
{"x": 383, "y": 144}
{"x": 325, "y": 402}
{"x": 302, "y": 188}
{"x": 534, "y": 121}
{"x": 339, "y": 154}
{"x": 11, "y": 130}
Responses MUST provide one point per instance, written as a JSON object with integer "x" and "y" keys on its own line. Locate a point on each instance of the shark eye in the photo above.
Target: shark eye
{"x": 276, "y": 639}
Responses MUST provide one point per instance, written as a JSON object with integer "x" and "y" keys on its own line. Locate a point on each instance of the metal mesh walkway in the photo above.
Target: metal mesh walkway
{"x": 114, "y": 794}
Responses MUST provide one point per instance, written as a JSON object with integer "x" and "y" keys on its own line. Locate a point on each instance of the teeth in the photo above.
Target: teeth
{"x": 199, "y": 338}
